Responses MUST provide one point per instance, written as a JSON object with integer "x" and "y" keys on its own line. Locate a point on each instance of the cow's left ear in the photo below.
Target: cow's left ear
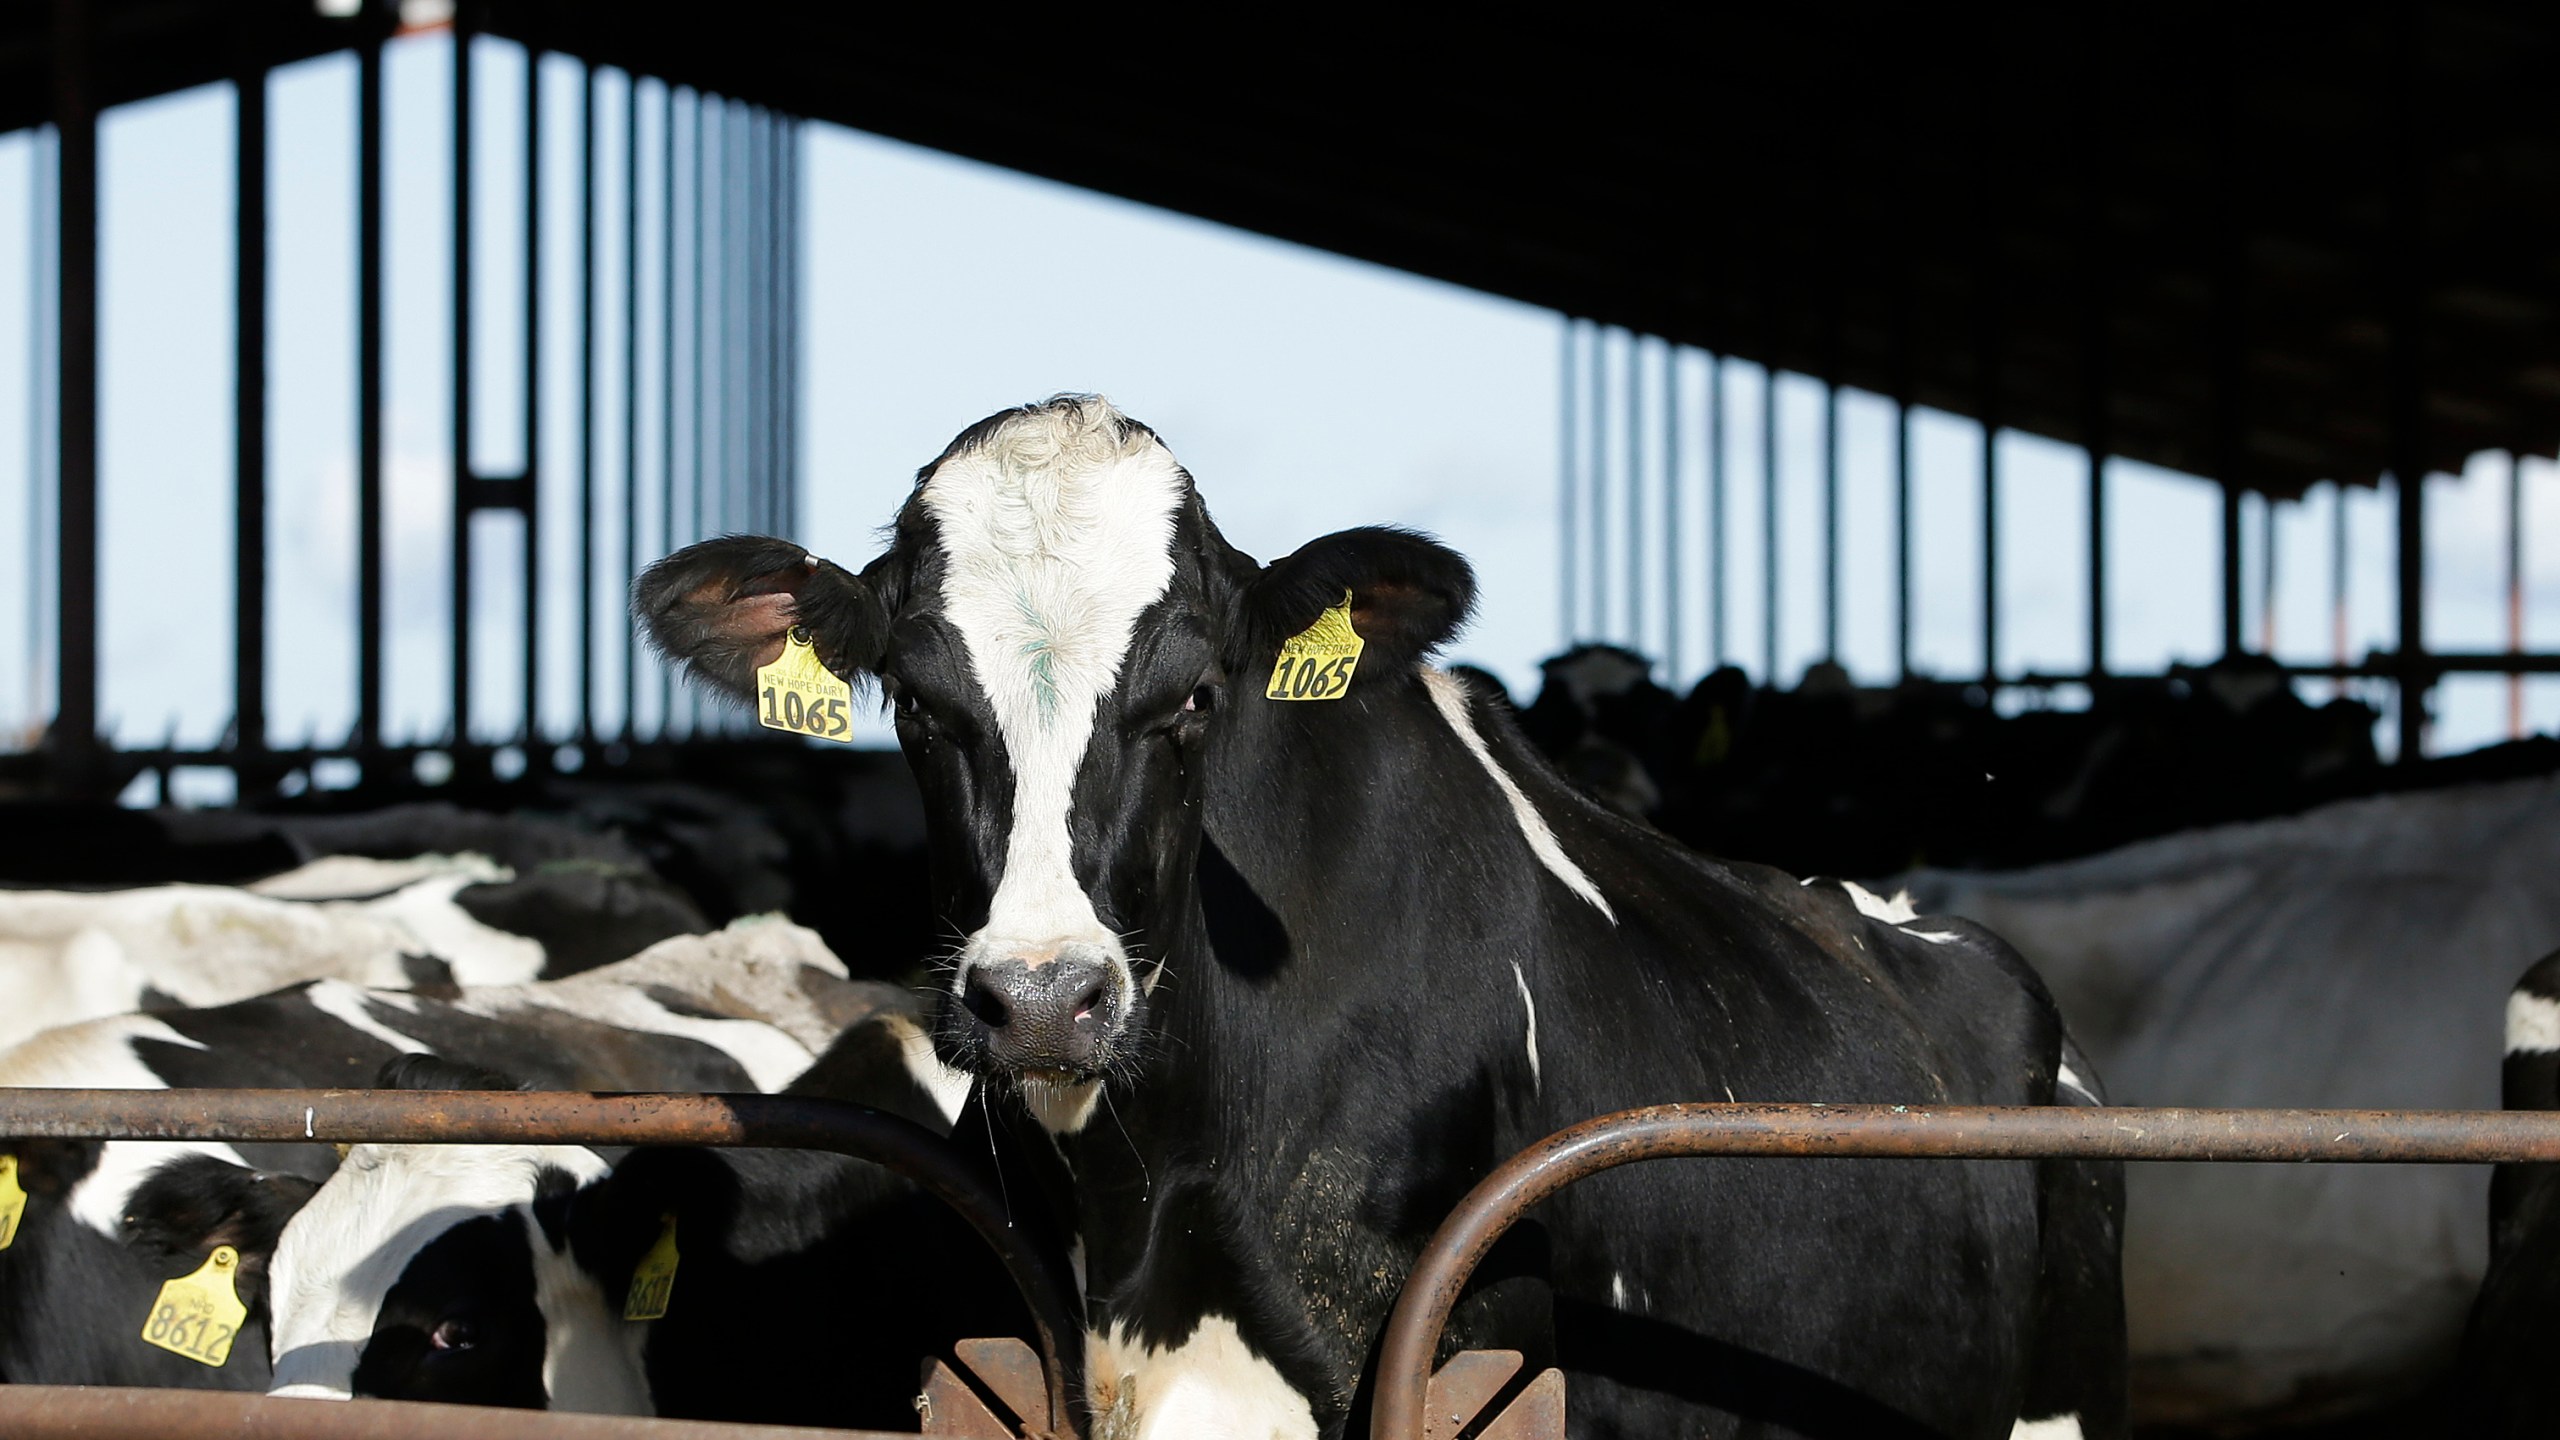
{"x": 195, "y": 1203}
{"x": 1409, "y": 594}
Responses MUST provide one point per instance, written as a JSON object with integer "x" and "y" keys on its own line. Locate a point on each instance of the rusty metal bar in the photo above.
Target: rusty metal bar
{"x": 558, "y": 1118}
{"x": 1973, "y": 1132}
{"x": 80, "y": 1412}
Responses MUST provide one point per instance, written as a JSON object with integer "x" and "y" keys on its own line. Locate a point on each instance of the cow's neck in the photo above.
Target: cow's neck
{"x": 1319, "y": 901}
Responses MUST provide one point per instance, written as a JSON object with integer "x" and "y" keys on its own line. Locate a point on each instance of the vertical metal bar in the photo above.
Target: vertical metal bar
{"x": 2338, "y": 561}
{"x": 1671, "y": 671}
{"x": 2405, "y": 403}
{"x": 2230, "y": 341}
{"x": 249, "y": 408}
{"x": 2515, "y": 590}
{"x": 1635, "y": 491}
{"x": 588, "y": 313}
{"x": 1568, "y": 537}
{"x": 1906, "y": 394}
{"x": 462, "y": 512}
{"x": 700, "y": 377}
{"x": 1987, "y": 379}
{"x": 2267, "y": 577}
{"x": 41, "y": 231}
{"x": 1598, "y": 434}
{"x": 75, "y": 117}
{"x": 1769, "y": 525}
{"x": 630, "y": 506}
{"x": 1718, "y": 647}
{"x": 666, "y": 361}
{"x": 2096, "y": 342}
{"x": 791, "y": 325}
{"x": 530, "y": 726}
{"x": 1831, "y": 520}
{"x": 369, "y": 438}
{"x": 758, "y": 438}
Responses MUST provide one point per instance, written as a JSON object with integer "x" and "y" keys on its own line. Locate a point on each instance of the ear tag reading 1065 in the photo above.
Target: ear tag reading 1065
{"x": 199, "y": 1315}
{"x": 654, "y": 1280}
{"x": 13, "y": 1201}
{"x": 800, "y": 694}
{"x": 1316, "y": 663}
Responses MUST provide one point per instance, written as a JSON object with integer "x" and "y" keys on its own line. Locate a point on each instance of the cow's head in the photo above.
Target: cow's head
{"x": 446, "y": 1273}
{"x": 1056, "y": 624}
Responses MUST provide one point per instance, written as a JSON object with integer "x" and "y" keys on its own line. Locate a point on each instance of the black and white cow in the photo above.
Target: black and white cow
{"x": 1285, "y": 978}
{"x": 67, "y": 956}
{"x": 107, "y": 1222}
{"x": 808, "y": 1288}
{"x": 2508, "y": 1387}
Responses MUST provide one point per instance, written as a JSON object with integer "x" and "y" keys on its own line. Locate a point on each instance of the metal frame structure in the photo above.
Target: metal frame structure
{"x": 730, "y": 371}
{"x": 1604, "y": 535}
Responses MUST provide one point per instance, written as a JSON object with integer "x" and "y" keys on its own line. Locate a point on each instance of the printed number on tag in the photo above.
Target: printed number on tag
{"x": 199, "y": 1315}
{"x": 800, "y": 694}
{"x": 653, "y": 1281}
{"x": 1316, "y": 663}
{"x": 13, "y": 1201}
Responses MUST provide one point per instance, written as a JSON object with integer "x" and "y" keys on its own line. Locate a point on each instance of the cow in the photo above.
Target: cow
{"x": 2505, "y": 1388}
{"x": 1283, "y": 978}
{"x": 106, "y": 1223}
{"x": 807, "y": 1288}
{"x": 2356, "y": 955}
{"x": 67, "y": 956}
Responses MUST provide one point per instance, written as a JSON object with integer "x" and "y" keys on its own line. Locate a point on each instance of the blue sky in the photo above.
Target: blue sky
{"x": 1305, "y": 391}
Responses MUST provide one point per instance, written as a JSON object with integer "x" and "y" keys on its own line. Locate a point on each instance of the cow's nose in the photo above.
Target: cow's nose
{"x": 1055, "y": 1015}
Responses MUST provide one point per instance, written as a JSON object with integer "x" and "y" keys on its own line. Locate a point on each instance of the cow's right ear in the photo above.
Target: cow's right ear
{"x": 723, "y": 608}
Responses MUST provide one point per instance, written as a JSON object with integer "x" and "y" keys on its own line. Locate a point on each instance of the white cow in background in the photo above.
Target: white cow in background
{"x": 2358, "y": 955}
{"x": 67, "y": 956}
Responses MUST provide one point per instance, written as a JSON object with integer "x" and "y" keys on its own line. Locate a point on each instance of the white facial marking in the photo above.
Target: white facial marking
{"x": 1062, "y": 1109}
{"x": 1209, "y": 1387}
{"x": 1451, "y": 699}
{"x": 1057, "y": 532}
{"x": 339, "y": 1257}
{"x": 100, "y": 1055}
{"x": 1536, "y": 1080}
{"x": 2533, "y": 1024}
{"x": 2060, "y": 1427}
{"x": 1875, "y": 907}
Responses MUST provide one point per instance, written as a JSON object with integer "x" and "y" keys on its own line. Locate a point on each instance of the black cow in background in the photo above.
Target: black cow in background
{"x": 1833, "y": 778}
{"x": 2508, "y": 1384}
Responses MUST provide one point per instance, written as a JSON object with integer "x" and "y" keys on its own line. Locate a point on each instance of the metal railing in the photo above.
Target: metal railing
{"x": 542, "y": 1118}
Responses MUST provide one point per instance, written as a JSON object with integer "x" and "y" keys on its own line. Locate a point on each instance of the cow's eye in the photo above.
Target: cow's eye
{"x": 454, "y": 1334}
{"x": 1202, "y": 701}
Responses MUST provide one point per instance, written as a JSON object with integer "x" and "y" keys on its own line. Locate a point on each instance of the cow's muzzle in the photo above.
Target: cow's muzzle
{"x": 1059, "y": 1015}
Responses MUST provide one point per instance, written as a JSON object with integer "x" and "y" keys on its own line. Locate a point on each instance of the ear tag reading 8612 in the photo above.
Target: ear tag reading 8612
{"x": 198, "y": 1315}
{"x": 1316, "y": 663}
{"x": 800, "y": 694}
{"x": 13, "y": 1201}
{"x": 653, "y": 1280}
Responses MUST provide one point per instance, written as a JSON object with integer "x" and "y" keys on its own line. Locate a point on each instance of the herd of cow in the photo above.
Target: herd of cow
{"x": 1245, "y": 982}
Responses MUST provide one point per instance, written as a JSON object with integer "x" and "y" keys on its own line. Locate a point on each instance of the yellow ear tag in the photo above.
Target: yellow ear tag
{"x": 198, "y": 1315}
{"x": 800, "y": 694}
{"x": 13, "y": 1201}
{"x": 1316, "y": 663}
{"x": 655, "y": 1278}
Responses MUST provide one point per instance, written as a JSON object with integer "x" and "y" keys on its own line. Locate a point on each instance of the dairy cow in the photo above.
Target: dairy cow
{"x": 106, "y": 1223}
{"x": 805, "y": 1289}
{"x": 1285, "y": 947}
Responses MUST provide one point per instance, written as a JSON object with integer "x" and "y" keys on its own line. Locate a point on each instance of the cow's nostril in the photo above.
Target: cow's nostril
{"x": 1090, "y": 998}
{"x": 986, "y": 1002}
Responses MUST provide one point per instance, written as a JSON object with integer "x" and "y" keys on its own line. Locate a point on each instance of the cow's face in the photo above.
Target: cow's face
{"x": 444, "y": 1273}
{"x": 1055, "y": 626}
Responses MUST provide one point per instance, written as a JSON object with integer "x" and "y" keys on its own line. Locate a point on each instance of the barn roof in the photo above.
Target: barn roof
{"x": 2273, "y": 244}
